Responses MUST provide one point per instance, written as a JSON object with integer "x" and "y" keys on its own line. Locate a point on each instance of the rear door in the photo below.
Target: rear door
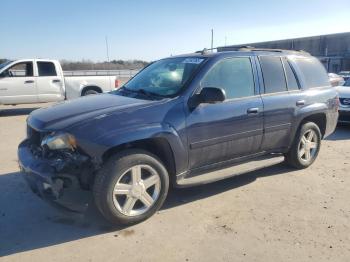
{"x": 278, "y": 106}
{"x": 230, "y": 129}
{"x": 50, "y": 83}
{"x": 18, "y": 84}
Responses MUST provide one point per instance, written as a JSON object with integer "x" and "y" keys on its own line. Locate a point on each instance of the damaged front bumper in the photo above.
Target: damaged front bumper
{"x": 57, "y": 187}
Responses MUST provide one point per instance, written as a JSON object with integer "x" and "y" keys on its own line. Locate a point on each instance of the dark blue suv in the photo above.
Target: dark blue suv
{"x": 185, "y": 120}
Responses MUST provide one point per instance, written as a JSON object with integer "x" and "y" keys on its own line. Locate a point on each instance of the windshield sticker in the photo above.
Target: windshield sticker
{"x": 193, "y": 60}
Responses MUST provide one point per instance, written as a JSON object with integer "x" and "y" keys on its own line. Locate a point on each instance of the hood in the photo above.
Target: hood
{"x": 68, "y": 113}
{"x": 343, "y": 91}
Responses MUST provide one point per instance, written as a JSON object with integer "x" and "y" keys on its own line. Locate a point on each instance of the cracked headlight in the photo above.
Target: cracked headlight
{"x": 59, "y": 141}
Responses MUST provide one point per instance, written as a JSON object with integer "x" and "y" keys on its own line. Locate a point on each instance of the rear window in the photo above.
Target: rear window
{"x": 46, "y": 69}
{"x": 314, "y": 73}
{"x": 273, "y": 74}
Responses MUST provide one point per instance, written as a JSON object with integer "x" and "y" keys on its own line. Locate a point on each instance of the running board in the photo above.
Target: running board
{"x": 237, "y": 169}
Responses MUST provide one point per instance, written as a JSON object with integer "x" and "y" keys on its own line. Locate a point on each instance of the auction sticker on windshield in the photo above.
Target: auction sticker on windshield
{"x": 193, "y": 60}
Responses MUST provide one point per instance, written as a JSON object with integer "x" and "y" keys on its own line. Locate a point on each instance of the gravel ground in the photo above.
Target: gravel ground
{"x": 274, "y": 214}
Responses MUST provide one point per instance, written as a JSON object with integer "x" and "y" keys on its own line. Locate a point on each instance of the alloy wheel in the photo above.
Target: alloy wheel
{"x": 308, "y": 145}
{"x": 136, "y": 190}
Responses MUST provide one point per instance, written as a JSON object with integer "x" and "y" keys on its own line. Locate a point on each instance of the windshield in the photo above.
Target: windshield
{"x": 5, "y": 64}
{"x": 165, "y": 77}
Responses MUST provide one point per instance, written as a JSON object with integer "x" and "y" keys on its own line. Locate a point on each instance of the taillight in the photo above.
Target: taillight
{"x": 116, "y": 83}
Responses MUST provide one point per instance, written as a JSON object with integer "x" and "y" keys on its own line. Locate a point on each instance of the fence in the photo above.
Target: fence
{"x": 125, "y": 73}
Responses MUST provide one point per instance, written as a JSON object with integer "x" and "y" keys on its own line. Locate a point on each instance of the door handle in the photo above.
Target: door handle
{"x": 29, "y": 82}
{"x": 3, "y": 89}
{"x": 300, "y": 102}
{"x": 56, "y": 81}
{"x": 252, "y": 111}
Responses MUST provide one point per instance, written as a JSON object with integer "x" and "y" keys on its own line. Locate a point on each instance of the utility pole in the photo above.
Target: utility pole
{"x": 225, "y": 40}
{"x": 108, "y": 65}
{"x": 107, "y": 49}
{"x": 212, "y": 39}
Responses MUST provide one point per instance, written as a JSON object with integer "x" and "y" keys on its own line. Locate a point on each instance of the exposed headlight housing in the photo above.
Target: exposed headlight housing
{"x": 58, "y": 141}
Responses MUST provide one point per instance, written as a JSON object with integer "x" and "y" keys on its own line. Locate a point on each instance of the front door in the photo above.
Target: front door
{"x": 230, "y": 129}
{"x": 18, "y": 84}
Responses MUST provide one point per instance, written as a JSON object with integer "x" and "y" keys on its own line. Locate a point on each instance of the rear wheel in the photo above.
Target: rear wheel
{"x": 131, "y": 187}
{"x": 90, "y": 91}
{"x": 306, "y": 146}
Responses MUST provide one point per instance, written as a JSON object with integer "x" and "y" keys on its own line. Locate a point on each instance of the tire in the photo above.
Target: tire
{"x": 298, "y": 156}
{"x": 90, "y": 92}
{"x": 117, "y": 174}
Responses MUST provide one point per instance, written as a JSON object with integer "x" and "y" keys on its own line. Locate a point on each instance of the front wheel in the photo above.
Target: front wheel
{"x": 306, "y": 146}
{"x": 131, "y": 187}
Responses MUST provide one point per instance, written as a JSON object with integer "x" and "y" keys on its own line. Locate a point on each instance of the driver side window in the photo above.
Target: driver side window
{"x": 23, "y": 69}
{"x": 234, "y": 75}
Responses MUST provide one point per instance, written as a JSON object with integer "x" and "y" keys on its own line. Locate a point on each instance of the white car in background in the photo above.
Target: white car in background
{"x": 336, "y": 80}
{"x": 345, "y": 74}
{"x": 40, "y": 80}
{"x": 344, "y": 99}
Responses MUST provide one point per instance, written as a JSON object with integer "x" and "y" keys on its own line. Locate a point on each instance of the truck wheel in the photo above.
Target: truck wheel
{"x": 90, "y": 92}
{"x": 305, "y": 147}
{"x": 130, "y": 187}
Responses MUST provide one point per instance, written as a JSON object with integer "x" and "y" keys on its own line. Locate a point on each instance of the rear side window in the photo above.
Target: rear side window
{"x": 314, "y": 73}
{"x": 292, "y": 82}
{"x": 46, "y": 69}
{"x": 273, "y": 74}
{"x": 234, "y": 75}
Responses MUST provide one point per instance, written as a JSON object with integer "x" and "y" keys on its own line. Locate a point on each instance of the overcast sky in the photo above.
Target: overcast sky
{"x": 147, "y": 29}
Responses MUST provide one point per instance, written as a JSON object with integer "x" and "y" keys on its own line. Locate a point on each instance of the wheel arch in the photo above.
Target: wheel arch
{"x": 320, "y": 119}
{"x": 158, "y": 146}
{"x": 90, "y": 87}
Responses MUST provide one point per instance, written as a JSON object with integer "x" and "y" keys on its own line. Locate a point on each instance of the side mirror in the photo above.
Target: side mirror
{"x": 212, "y": 95}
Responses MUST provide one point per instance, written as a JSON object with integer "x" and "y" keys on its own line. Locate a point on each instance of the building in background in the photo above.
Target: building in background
{"x": 332, "y": 50}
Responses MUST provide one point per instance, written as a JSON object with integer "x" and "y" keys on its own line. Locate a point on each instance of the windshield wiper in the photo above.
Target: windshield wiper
{"x": 147, "y": 93}
{"x": 140, "y": 91}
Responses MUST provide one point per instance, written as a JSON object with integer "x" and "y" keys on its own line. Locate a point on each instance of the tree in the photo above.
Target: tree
{"x": 2, "y": 60}
{"x": 113, "y": 65}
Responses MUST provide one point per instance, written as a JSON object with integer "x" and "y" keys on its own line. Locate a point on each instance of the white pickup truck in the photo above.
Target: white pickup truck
{"x": 40, "y": 80}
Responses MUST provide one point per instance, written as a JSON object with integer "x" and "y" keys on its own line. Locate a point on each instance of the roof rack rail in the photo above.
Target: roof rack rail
{"x": 258, "y": 49}
{"x": 247, "y": 48}
{"x": 206, "y": 50}
{"x": 235, "y": 48}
